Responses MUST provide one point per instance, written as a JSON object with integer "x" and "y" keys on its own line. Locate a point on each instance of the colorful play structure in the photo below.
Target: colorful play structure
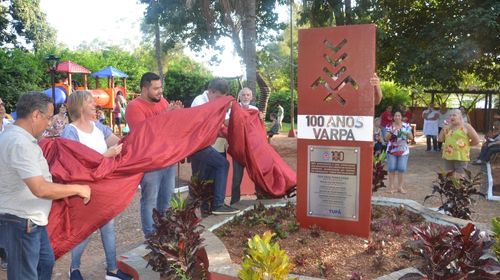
{"x": 103, "y": 96}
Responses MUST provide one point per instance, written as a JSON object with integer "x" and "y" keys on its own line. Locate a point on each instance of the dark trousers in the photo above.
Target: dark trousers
{"x": 434, "y": 142}
{"x": 440, "y": 144}
{"x": 208, "y": 164}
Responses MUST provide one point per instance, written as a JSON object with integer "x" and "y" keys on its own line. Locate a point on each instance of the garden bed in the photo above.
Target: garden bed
{"x": 318, "y": 253}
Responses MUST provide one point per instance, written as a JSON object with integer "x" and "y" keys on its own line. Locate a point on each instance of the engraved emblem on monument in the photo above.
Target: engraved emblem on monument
{"x": 333, "y": 182}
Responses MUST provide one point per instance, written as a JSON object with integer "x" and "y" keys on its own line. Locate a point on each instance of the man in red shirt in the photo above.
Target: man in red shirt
{"x": 156, "y": 186}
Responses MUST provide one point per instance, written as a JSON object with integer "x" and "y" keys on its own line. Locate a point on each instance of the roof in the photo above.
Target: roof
{"x": 71, "y": 67}
{"x": 109, "y": 71}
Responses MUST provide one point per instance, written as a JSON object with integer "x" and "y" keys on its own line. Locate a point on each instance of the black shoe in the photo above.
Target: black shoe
{"x": 225, "y": 210}
{"x": 75, "y": 275}
{"x": 119, "y": 275}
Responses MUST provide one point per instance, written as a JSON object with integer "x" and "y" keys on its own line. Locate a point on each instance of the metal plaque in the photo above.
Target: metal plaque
{"x": 333, "y": 182}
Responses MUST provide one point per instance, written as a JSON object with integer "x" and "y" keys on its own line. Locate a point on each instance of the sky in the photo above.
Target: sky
{"x": 115, "y": 22}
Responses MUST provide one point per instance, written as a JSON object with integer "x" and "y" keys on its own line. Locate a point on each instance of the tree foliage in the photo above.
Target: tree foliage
{"x": 431, "y": 43}
{"x": 434, "y": 43}
{"x": 185, "y": 79}
{"x": 202, "y": 23}
{"x": 23, "y": 24}
{"x": 20, "y": 72}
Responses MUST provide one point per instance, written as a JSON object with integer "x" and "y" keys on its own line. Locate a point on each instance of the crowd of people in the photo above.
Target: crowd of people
{"x": 27, "y": 190}
{"x": 447, "y": 131}
{"x": 24, "y": 210}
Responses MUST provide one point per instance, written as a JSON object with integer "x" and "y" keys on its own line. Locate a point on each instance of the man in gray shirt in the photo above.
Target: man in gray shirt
{"x": 27, "y": 191}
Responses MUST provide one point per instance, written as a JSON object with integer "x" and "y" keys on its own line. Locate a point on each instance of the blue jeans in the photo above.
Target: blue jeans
{"x": 397, "y": 163}
{"x": 208, "y": 164}
{"x": 109, "y": 243}
{"x": 29, "y": 254}
{"x": 487, "y": 152}
{"x": 156, "y": 191}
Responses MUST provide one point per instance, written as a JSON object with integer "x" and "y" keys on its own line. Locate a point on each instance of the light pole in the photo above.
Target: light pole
{"x": 52, "y": 62}
{"x": 291, "y": 133}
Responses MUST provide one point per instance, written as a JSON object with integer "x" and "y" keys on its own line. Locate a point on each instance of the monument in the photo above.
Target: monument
{"x": 335, "y": 128}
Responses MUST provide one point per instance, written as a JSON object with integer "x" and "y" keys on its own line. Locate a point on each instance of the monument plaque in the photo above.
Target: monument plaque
{"x": 333, "y": 184}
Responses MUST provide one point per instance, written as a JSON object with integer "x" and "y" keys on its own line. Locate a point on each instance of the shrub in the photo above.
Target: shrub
{"x": 379, "y": 173}
{"x": 495, "y": 225}
{"x": 264, "y": 260}
{"x": 175, "y": 245}
{"x": 456, "y": 193}
{"x": 454, "y": 253}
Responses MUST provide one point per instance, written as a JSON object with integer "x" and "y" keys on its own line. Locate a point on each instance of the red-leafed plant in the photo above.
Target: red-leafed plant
{"x": 456, "y": 193}
{"x": 176, "y": 244}
{"x": 451, "y": 253}
{"x": 379, "y": 173}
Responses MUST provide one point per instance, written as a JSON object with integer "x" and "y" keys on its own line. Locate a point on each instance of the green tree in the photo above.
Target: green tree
{"x": 22, "y": 20}
{"x": 421, "y": 42}
{"x": 433, "y": 43}
{"x": 20, "y": 71}
{"x": 202, "y": 23}
{"x": 185, "y": 79}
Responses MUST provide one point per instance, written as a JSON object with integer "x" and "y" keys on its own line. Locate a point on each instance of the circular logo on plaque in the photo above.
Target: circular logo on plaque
{"x": 326, "y": 156}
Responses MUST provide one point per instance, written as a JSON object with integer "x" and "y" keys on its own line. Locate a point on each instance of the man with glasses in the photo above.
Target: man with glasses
{"x": 27, "y": 191}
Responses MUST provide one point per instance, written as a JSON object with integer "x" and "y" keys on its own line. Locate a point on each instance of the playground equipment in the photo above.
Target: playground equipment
{"x": 112, "y": 90}
{"x": 64, "y": 88}
{"x": 103, "y": 97}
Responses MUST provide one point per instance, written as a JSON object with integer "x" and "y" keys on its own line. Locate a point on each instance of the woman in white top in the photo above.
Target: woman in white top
{"x": 93, "y": 134}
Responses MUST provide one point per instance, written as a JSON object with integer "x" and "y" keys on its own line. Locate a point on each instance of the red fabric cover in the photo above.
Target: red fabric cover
{"x": 160, "y": 141}
{"x": 248, "y": 145}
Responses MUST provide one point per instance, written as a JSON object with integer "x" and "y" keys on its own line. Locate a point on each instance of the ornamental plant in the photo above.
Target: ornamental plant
{"x": 456, "y": 193}
{"x": 454, "y": 253}
{"x": 264, "y": 260}
{"x": 495, "y": 225}
{"x": 176, "y": 244}
{"x": 379, "y": 173}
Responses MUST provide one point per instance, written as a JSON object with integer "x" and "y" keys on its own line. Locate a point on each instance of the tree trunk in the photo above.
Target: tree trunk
{"x": 265, "y": 92}
{"x": 158, "y": 51}
{"x": 249, "y": 30}
{"x": 348, "y": 12}
{"x": 336, "y": 6}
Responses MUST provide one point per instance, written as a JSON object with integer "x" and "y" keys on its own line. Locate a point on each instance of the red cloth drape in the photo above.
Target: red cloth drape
{"x": 160, "y": 141}
{"x": 248, "y": 145}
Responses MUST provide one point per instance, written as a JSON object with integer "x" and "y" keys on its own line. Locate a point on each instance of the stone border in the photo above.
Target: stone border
{"x": 220, "y": 261}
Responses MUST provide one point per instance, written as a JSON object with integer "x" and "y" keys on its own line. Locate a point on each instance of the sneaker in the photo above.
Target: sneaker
{"x": 477, "y": 162}
{"x": 117, "y": 276}
{"x": 225, "y": 210}
{"x": 75, "y": 275}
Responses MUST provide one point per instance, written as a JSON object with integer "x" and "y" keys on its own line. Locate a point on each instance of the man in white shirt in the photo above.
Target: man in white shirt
{"x": 208, "y": 163}
{"x": 27, "y": 191}
{"x": 431, "y": 117}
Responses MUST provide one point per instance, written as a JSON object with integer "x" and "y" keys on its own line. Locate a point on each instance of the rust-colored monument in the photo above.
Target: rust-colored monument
{"x": 335, "y": 128}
